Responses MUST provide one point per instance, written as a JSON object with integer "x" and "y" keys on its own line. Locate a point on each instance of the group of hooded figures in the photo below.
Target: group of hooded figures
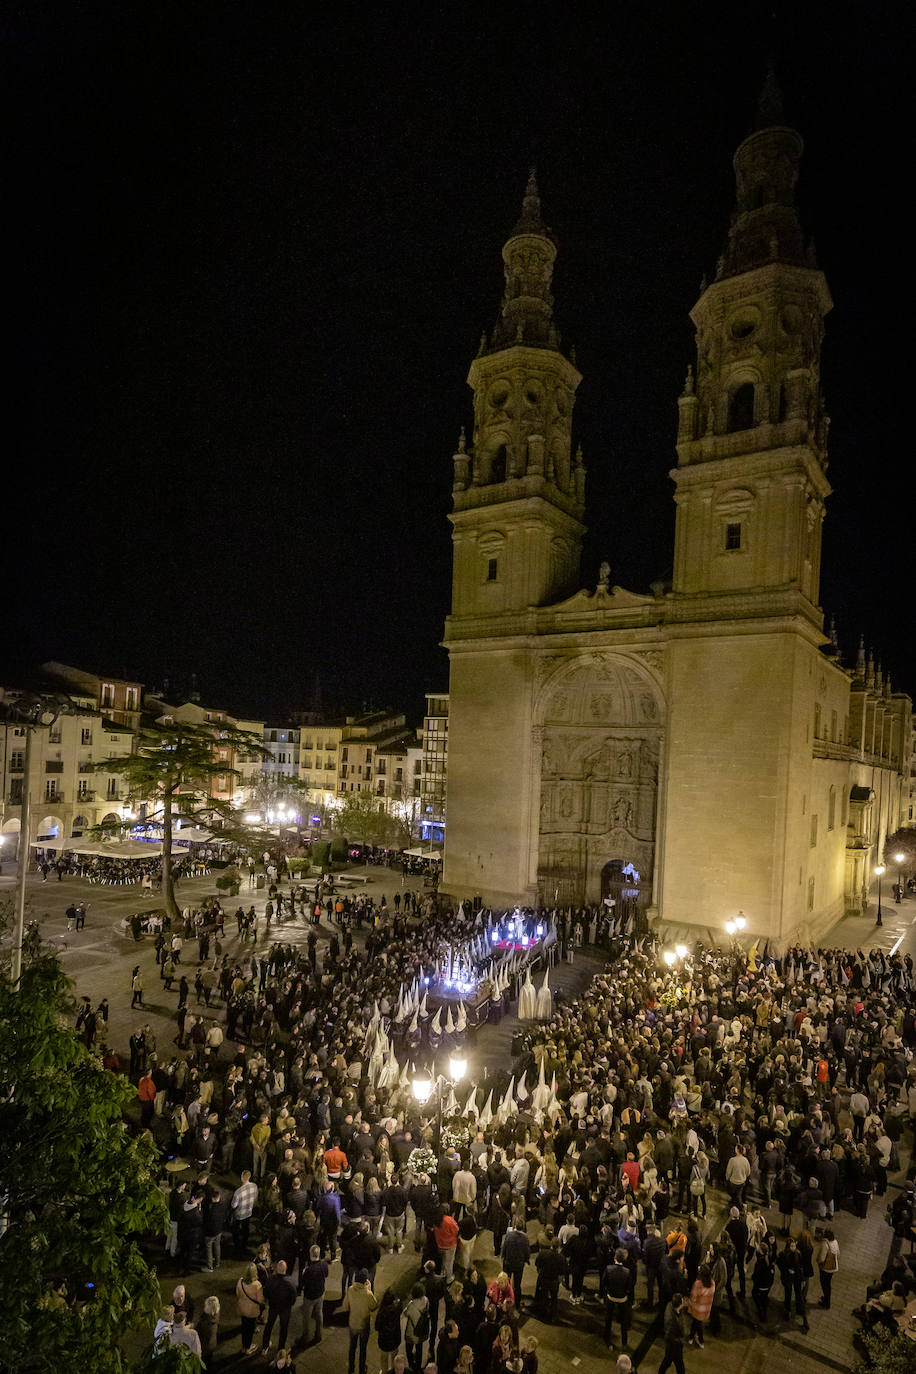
{"x": 471, "y": 981}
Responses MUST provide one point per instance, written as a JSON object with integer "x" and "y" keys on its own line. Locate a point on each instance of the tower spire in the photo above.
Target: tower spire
{"x": 526, "y": 314}
{"x": 530, "y": 221}
{"x": 765, "y": 226}
{"x": 770, "y": 108}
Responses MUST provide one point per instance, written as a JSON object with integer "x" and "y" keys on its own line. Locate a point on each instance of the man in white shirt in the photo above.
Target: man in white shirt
{"x": 737, "y": 1173}
{"x": 858, "y": 1105}
{"x": 518, "y": 1174}
{"x": 464, "y": 1191}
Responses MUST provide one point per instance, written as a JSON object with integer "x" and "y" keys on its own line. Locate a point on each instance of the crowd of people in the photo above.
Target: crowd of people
{"x": 784, "y": 1084}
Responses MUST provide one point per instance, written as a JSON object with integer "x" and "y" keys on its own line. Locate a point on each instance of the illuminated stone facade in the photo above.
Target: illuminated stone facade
{"x": 706, "y": 735}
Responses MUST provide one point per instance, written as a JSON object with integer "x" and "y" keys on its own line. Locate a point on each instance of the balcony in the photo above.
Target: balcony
{"x": 54, "y": 766}
{"x": 85, "y": 796}
{"x": 53, "y": 799}
{"x": 85, "y": 768}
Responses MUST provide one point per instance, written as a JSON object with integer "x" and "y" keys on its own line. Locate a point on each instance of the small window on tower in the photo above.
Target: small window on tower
{"x": 733, "y": 536}
{"x": 492, "y": 569}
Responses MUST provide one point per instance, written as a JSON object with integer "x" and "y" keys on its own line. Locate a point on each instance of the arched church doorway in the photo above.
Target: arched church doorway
{"x": 600, "y": 722}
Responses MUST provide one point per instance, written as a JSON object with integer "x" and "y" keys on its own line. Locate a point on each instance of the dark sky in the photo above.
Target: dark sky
{"x": 252, "y": 257}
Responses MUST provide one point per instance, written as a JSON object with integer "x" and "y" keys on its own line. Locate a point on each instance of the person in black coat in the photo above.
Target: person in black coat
{"x": 484, "y": 1337}
{"x": 216, "y": 1219}
{"x": 366, "y": 1251}
{"x": 280, "y": 1292}
{"x": 285, "y": 1241}
{"x": 388, "y": 1327}
{"x": 550, "y": 1267}
{"x": 674, "y": 1335}
{"x": 736, "y": 1227}
{"x": 789, "y": 1264}
{"x": 447, "y": 1348}
{"x": 191, "y": 1232}
{"x": 434, "y": 1287}
{"x": 762, "y": 1283}
{"x": 828, "y": 1174}
{"x": 653, "y": 1251}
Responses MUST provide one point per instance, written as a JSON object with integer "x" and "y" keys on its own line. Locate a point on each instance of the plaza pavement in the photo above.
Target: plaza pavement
{"x": 100, "y": 958}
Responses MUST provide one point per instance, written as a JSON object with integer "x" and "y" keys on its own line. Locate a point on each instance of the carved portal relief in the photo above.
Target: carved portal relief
{"x": 599, "y": 747}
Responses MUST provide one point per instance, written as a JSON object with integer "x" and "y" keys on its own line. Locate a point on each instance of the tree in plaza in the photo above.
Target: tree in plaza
{"x": 77, "y": 1190}
{"x": 903, "y": 841}
{"x": 172, "y": 771}
{"x": 406, "y": 817}
{"x": 363, "y": 818}
{"x": 269, "y": 795}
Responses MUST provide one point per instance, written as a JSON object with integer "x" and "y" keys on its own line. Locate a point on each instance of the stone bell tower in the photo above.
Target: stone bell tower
{"x": 745, "y": 629}
{"x": 518, "y": 488}
{"x": 752, "y": 432}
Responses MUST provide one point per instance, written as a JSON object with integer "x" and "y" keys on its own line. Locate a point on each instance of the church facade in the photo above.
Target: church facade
{"x": 699, "y": 750}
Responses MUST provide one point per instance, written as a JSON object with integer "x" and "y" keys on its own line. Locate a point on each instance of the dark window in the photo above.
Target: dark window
{"x": 498, "y": 465}
{"x": 733, "y": 536}
{"x": 741, "y": 408}
{"x": 492, "y": 569}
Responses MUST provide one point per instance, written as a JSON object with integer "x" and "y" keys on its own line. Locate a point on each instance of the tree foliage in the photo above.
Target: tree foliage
{"x": 886, "y": 1352}
{"x": 270, "y": 794}
{"x": 903, "y": 841}
{"x": 172, "y": 771}
{"x": 77, "y": 1190}
{"x": 363, "y": 818}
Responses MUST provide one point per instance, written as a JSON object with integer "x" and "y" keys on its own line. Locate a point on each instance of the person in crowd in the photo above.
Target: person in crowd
{"x": 657, "y": 1092}
{"x": 359, "y": 1302}
{"x": 250, "y": 1302}
{"x": 207, "y": 1328}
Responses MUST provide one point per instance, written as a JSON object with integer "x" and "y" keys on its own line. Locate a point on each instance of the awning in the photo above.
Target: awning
{"x": 103, "y": 849}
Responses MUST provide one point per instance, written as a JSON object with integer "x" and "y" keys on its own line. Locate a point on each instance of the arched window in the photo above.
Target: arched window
{"x": 498, "y": 465}
{"x": 741, "y": 408}
{"x": 831, "y": 808}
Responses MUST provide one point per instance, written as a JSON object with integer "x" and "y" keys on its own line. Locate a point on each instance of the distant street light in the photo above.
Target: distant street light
{"x": 669, "y": 957}
{"x": 898, "y": 860}
{"x": 879, "y": 870}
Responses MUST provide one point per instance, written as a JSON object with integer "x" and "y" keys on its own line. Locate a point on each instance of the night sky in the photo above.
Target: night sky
{"x": 252, "y": 257}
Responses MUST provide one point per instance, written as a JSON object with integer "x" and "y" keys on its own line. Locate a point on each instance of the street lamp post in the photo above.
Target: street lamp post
{"x": 423, "y": 1085}
{"x": 898, "y": 860}
{"x": 879, "y": 870}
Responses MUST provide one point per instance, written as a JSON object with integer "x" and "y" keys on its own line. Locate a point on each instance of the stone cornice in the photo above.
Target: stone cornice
{"x": 518, "y": 497}
{"x": 716, "y": 464}
{"x": 729, "y": 290}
